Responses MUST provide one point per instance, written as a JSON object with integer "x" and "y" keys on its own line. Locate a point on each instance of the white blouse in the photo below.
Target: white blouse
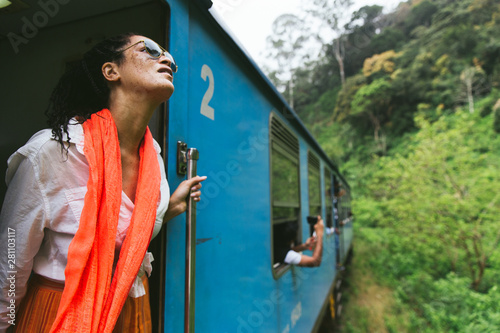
{"x": 293, "y": 258}
{"x": 41, "y": 213}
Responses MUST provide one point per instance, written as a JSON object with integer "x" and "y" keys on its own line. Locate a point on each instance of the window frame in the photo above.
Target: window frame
{"x": 329, "y": 198}
{"x": 279, "y": 145}
{"x": 312, "y": 159}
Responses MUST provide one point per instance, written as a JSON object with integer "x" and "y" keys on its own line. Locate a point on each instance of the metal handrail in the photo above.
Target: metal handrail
{"x": 192, "y": 158}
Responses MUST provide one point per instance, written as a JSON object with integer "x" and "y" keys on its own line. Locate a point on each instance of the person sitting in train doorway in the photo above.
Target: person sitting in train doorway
{"x": 86, "y": 197}
{"x": 315, "y": 242}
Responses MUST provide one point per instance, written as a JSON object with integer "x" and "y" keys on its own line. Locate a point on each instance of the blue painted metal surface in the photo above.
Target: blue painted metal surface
{"x": 235, "y": 287}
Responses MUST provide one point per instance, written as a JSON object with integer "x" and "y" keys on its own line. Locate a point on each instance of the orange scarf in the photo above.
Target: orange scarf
{"x": 92, "y": 299}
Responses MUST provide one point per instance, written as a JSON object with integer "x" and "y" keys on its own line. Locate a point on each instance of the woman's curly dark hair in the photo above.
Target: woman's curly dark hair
{"x": 83, "y": 90}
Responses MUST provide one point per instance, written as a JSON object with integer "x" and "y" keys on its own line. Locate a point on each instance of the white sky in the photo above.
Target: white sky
{"x": 251, "y": 20}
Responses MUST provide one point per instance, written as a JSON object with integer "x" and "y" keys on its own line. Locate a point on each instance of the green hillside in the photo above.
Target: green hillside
{"x": 415, "y": 128}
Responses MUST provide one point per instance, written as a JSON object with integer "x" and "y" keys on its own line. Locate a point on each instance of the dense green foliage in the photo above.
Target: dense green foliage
{"x": 431, "y": 210}
{"x": 426, "y": 56}
{"x": 415, "y": 128}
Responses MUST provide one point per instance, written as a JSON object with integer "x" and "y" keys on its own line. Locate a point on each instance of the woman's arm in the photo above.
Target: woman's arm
{"x": 310, "y": 243}
{"x": 315, "y": 260}
{"x": 178, "y": 199}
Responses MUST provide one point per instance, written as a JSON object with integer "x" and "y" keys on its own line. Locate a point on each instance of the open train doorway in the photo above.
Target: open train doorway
{"x": 38, "y": 39}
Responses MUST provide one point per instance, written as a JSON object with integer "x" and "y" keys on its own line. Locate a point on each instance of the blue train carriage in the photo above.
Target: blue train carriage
{"x": 265, "y": 169}
{"x": 343, "y": 220}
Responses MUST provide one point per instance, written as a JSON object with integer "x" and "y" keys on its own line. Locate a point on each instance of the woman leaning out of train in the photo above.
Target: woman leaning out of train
{"x": 314, "y": 242}
{"x": 85, "y": 198}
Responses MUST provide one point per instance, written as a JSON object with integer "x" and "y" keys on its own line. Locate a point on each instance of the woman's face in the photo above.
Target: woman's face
{"x": 142, "y": 74}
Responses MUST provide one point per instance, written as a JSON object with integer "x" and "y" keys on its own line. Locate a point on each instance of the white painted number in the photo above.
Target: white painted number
{"x": 205, "y": 109}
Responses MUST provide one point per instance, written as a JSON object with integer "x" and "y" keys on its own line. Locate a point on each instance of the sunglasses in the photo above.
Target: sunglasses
{"x": 155, "y": 51}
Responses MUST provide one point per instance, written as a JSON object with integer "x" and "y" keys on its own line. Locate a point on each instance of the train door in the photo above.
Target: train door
{"x": 38, "y": 39}
{"x": 341, "y": 216}
{"x": 337, "y": 219}
{"x": 328, "y": 199}
{"x": 348, "y": 226}
{"x": 330, "y": 210}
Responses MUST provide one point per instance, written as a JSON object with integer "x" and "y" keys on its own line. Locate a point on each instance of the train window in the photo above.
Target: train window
{"x": 328, "y": 198}
{"x": 314, "y": 185}
{"x": 336, "y": 216}
{"x": 335, "y": 202}
{"x": 285, "y": 192}
{"x": 339, "y": 193}
{"x": 345, "y": 204}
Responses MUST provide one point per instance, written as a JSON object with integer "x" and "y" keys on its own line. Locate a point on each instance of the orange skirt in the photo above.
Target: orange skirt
{"x": 38, "y": 309}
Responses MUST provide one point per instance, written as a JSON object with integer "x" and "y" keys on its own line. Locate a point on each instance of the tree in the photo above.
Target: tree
{"x": 420, "y": 15}
{"x": 372, "y": 102}
{"x": 285, "y": 45}
{"x": 339, "y": 52}
{"x": 329, "y": 28}
{"x": 474, "y": 83}
{"x": 444, "y": 192}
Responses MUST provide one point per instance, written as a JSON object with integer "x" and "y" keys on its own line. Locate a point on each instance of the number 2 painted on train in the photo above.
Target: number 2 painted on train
{"x": 206, "y": 109}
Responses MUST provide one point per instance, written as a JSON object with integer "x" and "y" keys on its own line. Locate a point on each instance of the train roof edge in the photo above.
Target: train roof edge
{"x": 205, "y": 7}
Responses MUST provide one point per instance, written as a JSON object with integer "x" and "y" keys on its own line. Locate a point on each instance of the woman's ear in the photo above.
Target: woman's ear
{"x": 110, "y": 71}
